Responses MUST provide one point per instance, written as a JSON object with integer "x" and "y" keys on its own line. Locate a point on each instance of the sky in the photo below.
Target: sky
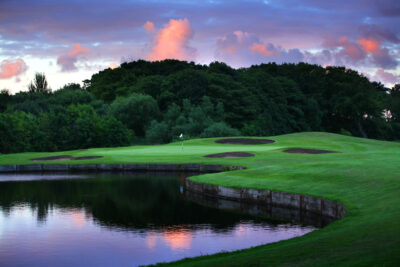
{"x": 70, "y": 40}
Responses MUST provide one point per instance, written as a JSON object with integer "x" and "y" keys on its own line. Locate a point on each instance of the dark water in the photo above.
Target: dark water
{"x": 118, "y": 220}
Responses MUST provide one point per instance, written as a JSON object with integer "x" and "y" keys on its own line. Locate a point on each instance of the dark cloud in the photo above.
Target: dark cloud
{"x": 322, "y": 58}
{"x": 382, "y": 59}
{"x": 387, "y": 8}
{"x": 372, "y": 31}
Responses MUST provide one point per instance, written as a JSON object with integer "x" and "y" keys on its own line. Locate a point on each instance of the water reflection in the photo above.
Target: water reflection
{"x": 118, "y": 220}
{"x": 177, "y": 238}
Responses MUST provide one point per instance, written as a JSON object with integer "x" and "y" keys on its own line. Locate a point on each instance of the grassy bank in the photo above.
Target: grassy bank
{"x": 365, "y": 177}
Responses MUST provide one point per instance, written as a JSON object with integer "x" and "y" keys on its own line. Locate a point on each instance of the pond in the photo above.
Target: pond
{"x": 108, "y": 219}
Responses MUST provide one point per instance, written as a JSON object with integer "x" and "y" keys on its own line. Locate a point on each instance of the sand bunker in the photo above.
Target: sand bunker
{"x": 244, "y": 141}
{"x": 230, "y": 155}
{"x": 308, "y": 151}
{"x": 65, "y": 157}
{"x": 87, "y": 157}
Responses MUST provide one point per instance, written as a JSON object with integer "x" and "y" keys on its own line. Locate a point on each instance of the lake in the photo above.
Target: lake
{"x": 129, "y": 219}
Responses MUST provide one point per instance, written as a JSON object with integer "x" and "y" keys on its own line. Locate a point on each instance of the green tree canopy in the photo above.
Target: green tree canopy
{"x": 136, "y": 111}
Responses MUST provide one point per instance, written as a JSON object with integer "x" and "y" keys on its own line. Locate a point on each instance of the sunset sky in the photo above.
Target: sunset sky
{"x": 71, "y": 40}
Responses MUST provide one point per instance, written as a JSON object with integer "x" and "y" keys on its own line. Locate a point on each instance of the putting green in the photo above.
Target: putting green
{"x": 365, "y": 177}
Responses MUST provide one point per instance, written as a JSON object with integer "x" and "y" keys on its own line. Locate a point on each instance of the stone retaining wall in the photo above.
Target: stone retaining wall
{"x": 315, "y": 205}
{"x": 205, "y": 168}
{"x": 273, "y": 212}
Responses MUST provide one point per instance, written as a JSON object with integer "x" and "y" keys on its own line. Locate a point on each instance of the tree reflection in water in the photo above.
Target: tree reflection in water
{"x": 120, "y": 219}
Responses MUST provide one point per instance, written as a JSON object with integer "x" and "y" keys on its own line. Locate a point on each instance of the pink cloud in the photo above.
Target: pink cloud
{"x": 351, "y": 50}
{"x": 67, "y": 61}
{"x": 241, "y": 48}
{"x": 387, "y": 77}
{"x": 10, "y": 68}
{"x": 344, "y": 52}
{"x": 234, "y": 42}
{"x": 262, "y": 49}
{"x": 149, "y": 27}
{"x": 233, "y": 48}
{"x": 369, "y": 46}
{"x": 366, "y": 51}
{"x": 172, "y": 42}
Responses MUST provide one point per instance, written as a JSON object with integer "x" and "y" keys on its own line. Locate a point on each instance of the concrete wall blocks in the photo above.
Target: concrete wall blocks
{"x": 260, "y": 196}
{"x": 285, "y": 199}
{"x": 135, "y": 167}
{"x": 196, "y": 187}
{"x": 55, "y": 167}
{"x": 117, "y": 167}
{"x": 229, "y": 193}
{"x": 311, "y": 204}
{"x": 268, "y": 197}
{"x": 8, "y": 168}
{"x": 83, "y": 167}
{"x": 210, "y": 190}
{"x": 29, "y": 168}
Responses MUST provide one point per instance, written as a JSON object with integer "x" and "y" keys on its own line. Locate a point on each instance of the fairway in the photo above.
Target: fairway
{"x": 365, "y": 177}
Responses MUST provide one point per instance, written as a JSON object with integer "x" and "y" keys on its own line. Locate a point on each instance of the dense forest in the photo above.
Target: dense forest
{"x": 144, "y": 102}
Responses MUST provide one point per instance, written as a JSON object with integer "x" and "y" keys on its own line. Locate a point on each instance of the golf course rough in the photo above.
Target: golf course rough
{"x": 364, "y": 177}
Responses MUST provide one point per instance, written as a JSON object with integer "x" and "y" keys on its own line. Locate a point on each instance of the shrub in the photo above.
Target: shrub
{"x": 158, "y": 132}
{"x": 219, "y": 129}
{"x": 135, "y": 111}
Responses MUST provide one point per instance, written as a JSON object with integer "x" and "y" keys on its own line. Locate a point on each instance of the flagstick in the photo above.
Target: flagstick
{"x": 181, "y": 137}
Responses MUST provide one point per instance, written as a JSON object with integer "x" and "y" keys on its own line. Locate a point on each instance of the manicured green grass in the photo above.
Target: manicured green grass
{"x": 365, "y": 177}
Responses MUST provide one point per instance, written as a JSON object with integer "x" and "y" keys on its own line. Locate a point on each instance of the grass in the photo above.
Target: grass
{"x": 365, "y": 177}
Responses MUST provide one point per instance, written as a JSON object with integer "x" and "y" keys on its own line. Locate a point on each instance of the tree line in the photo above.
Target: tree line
{"x": 143, "y": 102}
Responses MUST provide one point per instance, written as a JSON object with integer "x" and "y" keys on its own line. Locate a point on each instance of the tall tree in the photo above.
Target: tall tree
{"x": 39, "y": 84}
